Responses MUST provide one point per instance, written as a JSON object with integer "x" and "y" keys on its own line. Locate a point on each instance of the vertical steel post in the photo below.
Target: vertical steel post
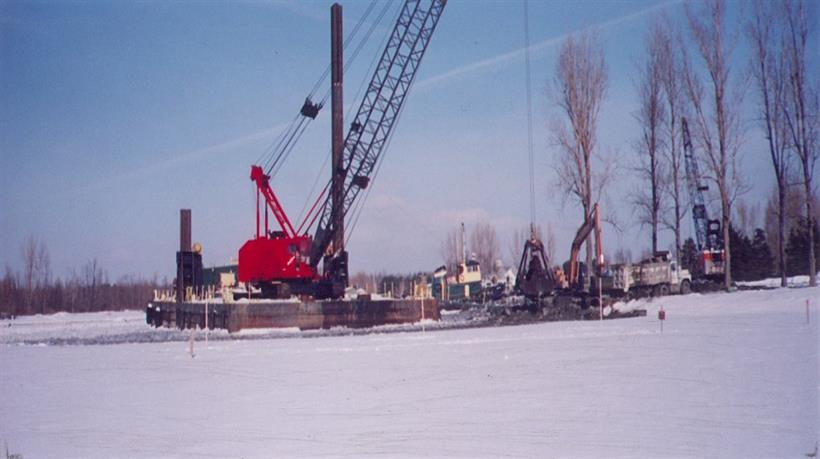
{"x": 337, "y": 139}
{"x": 184, "y": 230}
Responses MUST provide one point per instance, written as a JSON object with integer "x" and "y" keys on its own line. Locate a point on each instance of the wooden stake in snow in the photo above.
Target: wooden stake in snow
{"x": 661, "y": 317}
{"x": 807, "y": 311}
{"x": 422, "y": 316}
{"x": 206, "y": 323}
{"x": 191, "y": 343}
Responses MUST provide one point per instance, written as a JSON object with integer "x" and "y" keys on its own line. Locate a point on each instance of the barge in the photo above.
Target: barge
{"x": 293, "y": 313}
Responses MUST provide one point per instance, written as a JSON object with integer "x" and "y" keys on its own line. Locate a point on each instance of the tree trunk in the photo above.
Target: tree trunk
{"x": 781, "y": 230}
{"x": 810, "y": 219}
{"x": 655, "y": 202}
{"x": 727, "y": 256}
{"x": 677, "y": 221}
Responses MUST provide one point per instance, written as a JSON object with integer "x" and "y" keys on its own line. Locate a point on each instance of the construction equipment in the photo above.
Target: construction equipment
{"x": 535, "y": 278}
{"x": 658, "y": 275}
{"x": 575, "y": 279}
{"x": 284, "y": 262}
{"x": 708, "y": 232}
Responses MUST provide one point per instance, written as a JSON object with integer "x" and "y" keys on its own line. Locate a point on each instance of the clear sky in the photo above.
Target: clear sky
{"x": 113, "y": 115}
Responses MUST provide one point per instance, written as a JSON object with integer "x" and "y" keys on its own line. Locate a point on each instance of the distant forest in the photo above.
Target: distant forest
{"x": 35, "y": 291}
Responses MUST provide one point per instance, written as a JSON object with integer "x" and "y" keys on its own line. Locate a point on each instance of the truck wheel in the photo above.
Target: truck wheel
{"x": 664, "y": 290}
{"x": 685, "y": 287}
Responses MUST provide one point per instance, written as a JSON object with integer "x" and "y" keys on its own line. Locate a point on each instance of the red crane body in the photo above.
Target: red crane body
{"x": 288, "y": 251}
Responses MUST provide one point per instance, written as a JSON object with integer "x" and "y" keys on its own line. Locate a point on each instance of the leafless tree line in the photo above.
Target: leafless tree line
{"x": 482, "y": 244}
{"x": 788, "y": 106}
{"x": 704, "y": 88}
{"x": 36, "y": 291}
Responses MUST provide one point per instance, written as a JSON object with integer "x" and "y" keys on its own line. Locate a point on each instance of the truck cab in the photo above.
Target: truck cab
{"x": 680, "y": 279}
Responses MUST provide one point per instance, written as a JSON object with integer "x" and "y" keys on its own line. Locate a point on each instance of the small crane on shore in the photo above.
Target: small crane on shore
{"x": 708, "y": 233}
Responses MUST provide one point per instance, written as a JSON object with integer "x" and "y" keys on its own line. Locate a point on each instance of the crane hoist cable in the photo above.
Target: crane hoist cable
{"x": 280, "y": 148}
{"x": 356, "y": 212}
{"x": 365, "y": 79}
{"x": 529, "y": 117}
{"x": 346, "y": 41}
{"x": 289, "y": 145}
{"x": 274, "y": 167}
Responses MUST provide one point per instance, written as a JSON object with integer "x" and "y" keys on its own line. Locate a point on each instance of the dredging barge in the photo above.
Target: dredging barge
{"x": 291, "y": 313}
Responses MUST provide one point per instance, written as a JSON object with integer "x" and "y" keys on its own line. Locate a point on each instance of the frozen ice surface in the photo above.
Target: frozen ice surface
{"x": 732, "y": 375}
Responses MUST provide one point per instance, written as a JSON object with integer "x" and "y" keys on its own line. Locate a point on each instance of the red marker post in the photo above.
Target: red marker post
{"x": 661, "y": 317}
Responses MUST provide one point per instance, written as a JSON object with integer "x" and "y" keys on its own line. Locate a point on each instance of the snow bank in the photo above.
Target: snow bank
{"x": 795, "y": 281}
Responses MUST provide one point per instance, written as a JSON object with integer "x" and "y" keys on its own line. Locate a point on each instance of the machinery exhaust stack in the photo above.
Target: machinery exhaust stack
{"x": 189, "y": 261}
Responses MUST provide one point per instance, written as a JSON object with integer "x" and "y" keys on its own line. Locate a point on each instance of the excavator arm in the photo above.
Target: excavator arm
{"x": 592, "y": 222}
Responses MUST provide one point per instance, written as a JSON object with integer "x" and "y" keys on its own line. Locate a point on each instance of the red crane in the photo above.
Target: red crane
{"x": 286, "y": 261}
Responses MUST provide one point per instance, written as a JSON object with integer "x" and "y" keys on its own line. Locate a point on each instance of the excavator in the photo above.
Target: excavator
{"x": 536, "y": 280}
{"x": 575, "y": 279}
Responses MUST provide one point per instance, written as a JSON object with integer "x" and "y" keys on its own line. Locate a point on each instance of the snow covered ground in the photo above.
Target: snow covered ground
{"x": 732, "y": 375}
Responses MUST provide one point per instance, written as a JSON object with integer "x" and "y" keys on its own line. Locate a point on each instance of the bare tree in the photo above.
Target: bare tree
{"x": 651, "y": 114}
{"x": 485, "y": 247}
{"x": 36, "y": 272}
{"x": 450, "y": 249}
{"x": 717, "y": 125}
{"x": 747, "y": 217}
{"x": 768, "y": 68}
{"x": 93, "y": 278}
{"x": 791, "y": 211}
{"x": 622, "y": 256}
{"x": 801, "y": 107}
{"x": 579, "y": 88}
{"x": 664, "y": 34}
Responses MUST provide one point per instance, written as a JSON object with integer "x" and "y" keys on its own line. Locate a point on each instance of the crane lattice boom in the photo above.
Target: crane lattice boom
{"x": 380, "y": 107}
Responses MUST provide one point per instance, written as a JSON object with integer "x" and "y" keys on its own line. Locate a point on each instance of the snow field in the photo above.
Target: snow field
{"x": 732, "y": 375}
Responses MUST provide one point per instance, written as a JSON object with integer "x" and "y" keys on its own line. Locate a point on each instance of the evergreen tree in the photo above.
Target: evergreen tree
{"x": 753, "y": 258}
{"x": 797, "y": 262}
{"x": 742, "y": 256}
{"x": 763, "y": 266}
{"x": 689, "y": 257}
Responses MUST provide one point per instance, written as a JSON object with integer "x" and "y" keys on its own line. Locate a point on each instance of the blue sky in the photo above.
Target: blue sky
{"x": 113, "y": 115}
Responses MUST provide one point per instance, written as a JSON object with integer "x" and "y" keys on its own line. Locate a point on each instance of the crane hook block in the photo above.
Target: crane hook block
{"x": 309, "y": 109}
{"x": 361, "y": 181}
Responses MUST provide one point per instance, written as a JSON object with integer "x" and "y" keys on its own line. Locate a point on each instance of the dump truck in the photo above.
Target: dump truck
{"x": 658, "y": 275}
